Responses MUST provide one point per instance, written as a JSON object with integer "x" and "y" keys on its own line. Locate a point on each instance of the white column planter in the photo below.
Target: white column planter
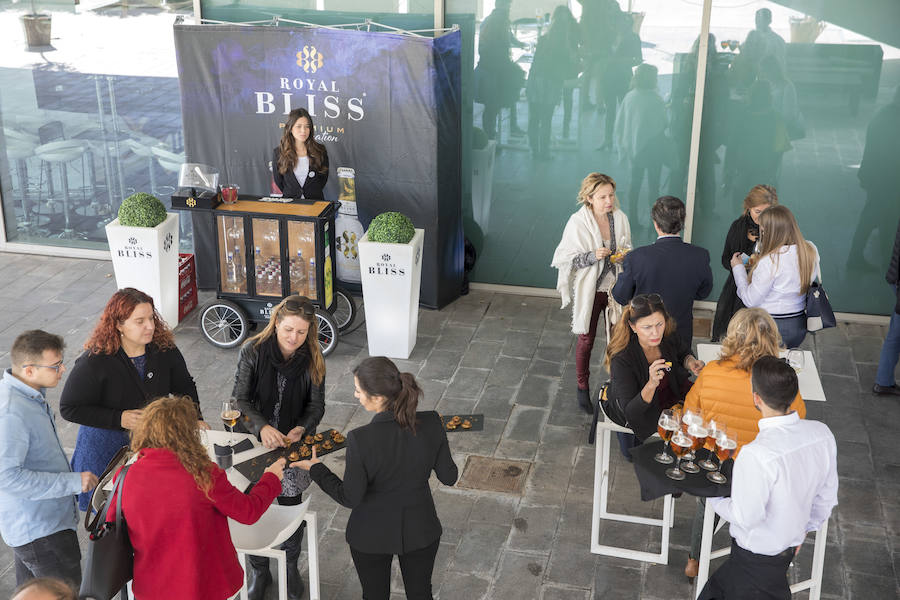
{"x": 391, "y": 278}
{"x": 146, "y": 258}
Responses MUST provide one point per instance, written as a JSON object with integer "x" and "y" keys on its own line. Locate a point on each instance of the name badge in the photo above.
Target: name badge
{"x": 311, "y": 174}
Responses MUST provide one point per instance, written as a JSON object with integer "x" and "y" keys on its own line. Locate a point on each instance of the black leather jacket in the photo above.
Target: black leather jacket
{"x": 245, "y": 393}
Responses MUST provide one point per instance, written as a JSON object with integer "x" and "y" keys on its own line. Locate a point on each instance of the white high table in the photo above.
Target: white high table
{"x": 808, "y": 377}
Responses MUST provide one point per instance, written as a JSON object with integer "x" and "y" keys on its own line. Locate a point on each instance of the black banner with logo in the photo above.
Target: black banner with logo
{"x": 386, "y": 105}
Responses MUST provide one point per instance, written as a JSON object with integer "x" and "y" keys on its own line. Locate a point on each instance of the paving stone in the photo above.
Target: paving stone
{"x": 866, "y": 558}
{"x": 525, "y": 423}
{"x": 519, "y": 576}
{"x": 558, "y": 445}
{"x": 482, "y": 354}
{"x": 520, "y": 344}
{"x": 836, "y": 361}
{"x": 508, "y": 372}
{"x": 441, "y": 365}
{"x": 493, "y": 329}
{"x": 546, "y": 485}
{"x": 499, "y": 509}
{"x": 534, "y": 528}
{"x": 866, "y": 349}
{"x": 455, "y": 337}
{"x": 516, "y": 449}
{"x": 571, "y": 563}
{"x": 479, "y": 548}
{"x": 545, "y": 368}
{"x": 467, "y": 383}
{"x": 558, "y": 592}
{"x": 537, "y": 390}
{"x": 464, "y": 586}
{"x": 453, "y": 508}
{"x": 496, "y": 401}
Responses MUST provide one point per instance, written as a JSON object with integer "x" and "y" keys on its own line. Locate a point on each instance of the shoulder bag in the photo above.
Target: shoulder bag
{"x": 819, "y": 314}
{"x": 109, "y": 564}
{"x": 611, "y": 410}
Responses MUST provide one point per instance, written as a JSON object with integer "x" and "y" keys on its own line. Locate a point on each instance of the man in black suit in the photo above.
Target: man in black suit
{"x": 672, "y": 268}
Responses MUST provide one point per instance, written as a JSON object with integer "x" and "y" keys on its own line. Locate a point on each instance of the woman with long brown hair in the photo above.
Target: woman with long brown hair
{"x": 648, "y": 366}
{"x": 388, "y": 464}
{"x": 723, "y": 391}
{"x": 780, "y": 275}
{"x": 300, "y": 163}
{"x": 741, "y": 239}
{"x": 279, "y": 386}
{"x": 182, "y": 545}
{"x": 129, "y": 359}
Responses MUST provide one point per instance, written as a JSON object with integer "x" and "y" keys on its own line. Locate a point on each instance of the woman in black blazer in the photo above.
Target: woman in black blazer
{"x": 300, "y": 163}
{"x": 388, "y": 464}
{"x": 648, "y": 366}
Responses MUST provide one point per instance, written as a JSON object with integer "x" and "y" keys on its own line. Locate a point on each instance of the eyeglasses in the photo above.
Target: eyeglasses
{"x": 56, "y": 367}
{"x": 300, "y": 304}
{"x": 646, "y": 300}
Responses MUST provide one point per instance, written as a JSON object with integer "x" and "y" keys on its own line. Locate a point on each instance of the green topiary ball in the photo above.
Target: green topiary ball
{"x": 391, "y": 228}
{"x": 141, "y": 210}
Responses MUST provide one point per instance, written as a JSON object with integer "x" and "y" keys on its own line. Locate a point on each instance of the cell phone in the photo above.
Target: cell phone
{"x": 745, "y": 258}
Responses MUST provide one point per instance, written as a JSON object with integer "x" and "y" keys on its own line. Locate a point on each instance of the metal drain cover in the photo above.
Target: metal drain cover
{"x": 494, "y": 474}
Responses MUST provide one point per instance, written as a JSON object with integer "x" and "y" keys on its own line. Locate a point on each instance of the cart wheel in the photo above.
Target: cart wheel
{"x": 343, "y": 309}
{"x": 224, "y": 323}
{"x": 328, "y": 331}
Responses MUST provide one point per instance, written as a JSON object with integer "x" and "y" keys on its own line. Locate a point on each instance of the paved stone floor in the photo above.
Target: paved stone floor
{"x": 511, "y": 358}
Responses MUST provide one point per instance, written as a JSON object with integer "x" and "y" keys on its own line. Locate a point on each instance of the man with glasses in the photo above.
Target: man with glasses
{"x": 37, "y": 487}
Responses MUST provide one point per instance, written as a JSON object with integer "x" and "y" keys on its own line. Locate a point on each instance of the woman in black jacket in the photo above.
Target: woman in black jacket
{"x": 300, "y": 163}
{"x": 129, "y": 360}
{"x": 388, "y": 464}
{"x": 648, "y": 366}
{"x": 279, "y": 386}
{"x": 742, "y": 237}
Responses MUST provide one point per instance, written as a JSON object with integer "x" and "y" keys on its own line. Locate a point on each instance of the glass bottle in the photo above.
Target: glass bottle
{"x": 230, "y": 273}
{"x": 298, "y": 274}
{"x": 311, "y": 279}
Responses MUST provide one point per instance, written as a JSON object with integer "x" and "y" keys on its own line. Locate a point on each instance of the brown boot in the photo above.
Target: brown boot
{"x": 692, "y": 568}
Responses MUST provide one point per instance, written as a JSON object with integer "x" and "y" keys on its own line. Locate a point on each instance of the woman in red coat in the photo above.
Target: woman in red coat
{"x": 176, "y": 503}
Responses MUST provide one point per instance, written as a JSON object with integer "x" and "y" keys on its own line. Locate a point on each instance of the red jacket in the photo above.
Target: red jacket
{"x": 182, "y": 546}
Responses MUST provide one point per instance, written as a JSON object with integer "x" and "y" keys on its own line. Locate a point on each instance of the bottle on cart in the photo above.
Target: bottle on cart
{"x": 230, "y": 273}
{"x": 298, "y": 274}
{"x": 270, "y": 284}
{"x": 239, "y": 269}
{"x": 311, "y": 279}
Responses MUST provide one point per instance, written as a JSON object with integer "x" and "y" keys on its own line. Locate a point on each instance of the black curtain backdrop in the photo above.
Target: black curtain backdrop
{"x": 387, "y": 105}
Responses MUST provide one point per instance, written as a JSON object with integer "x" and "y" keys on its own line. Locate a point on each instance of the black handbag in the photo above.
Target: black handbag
{"x": 109, "y": 564}
{"x": 611, "y": 410}
{"x": 819, "y": 314}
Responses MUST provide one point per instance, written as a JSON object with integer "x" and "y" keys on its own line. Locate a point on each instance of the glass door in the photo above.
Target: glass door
{"x": 267, "y": 257}
{"x": 232, "y": 255}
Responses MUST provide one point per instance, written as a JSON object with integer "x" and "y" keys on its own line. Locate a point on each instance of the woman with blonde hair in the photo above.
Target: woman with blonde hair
{"x": 588, "y": 259}
{"x": 723, "y": 390}
{"x": 279, "y": 386}
{"x": 780, "y": 275}
{"x": 742, "y": 237}
{"x": 648, "y": 366}
{"x": 177, "y": 503}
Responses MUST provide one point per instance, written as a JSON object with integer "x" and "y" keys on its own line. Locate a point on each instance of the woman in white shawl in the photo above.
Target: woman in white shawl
{"x": 589, "y": 260}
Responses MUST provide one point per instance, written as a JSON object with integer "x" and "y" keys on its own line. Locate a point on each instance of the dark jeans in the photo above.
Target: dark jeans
{"x": 56, "y": 555}
{"x": 792, "y": 330}
{"x": 627, "y": 441}
{"x": 374, "y": 572}
{"x": 585, "y": 343}
{"x": 540, "y": 118}
{"x": 291, "y": 546}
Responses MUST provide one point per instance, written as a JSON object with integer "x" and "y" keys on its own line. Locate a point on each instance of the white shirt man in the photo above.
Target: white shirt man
{"x": 784, "y": 484}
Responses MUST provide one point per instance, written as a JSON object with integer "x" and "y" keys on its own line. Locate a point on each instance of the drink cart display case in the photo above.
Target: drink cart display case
{"x": 265, "y": 252}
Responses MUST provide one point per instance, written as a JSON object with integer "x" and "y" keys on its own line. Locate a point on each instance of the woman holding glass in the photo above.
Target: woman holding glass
{"x": 742, "y": 239}
{"x": 129, "y": 359}
{"x": 279, "y": 386}
{"x": 388, "y": 465}
{"x": 182, "y": 546}
{"x": 780, "y": 275}
{"x": 723, "y": 391}
{"x": 588, "y": 259}
{"x": 648, "y": 366}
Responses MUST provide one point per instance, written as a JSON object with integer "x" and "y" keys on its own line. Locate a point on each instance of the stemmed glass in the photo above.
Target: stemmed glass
{"x": 230, "y": 415}
{"x": 796, "y": 359}
{"x": 726, "y": 444}
{"x": 712, "y": 430}
{"x": 680, "y": 444}
{"x": 697, "y": 434}
{"x": 665, "y": 426}
{"x": 691, "y": 416}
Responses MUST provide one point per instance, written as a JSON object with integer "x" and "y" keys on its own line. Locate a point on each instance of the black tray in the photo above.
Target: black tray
{"x": 253, "y": 469}
{"x": 476, "y": 420}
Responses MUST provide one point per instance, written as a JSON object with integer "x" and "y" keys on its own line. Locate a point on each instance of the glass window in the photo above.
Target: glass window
{"x": 805, "y": 105}
{"x": 89, "y": 117}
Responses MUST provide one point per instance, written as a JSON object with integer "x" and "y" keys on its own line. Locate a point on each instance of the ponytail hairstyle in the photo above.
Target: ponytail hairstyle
{"x": 642, "y": 305}
{"x": 379, "y": 376}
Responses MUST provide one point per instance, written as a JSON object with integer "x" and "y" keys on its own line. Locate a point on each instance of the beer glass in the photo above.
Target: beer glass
{"x": 691, "y": 416}
{"x": 680, "y": 443}
{"x": 726, "y": 444}
{"x": 712, "y": 430}
{"x": 665, "y": 426}
{"x": 230, "y": 415}
{"x": 697, "y": 434}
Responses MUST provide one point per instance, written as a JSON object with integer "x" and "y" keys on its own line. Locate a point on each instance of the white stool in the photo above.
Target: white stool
{"x": 60, "y": 153}
{"x": 601, "y": 493}
{"x": 273, "y": 528}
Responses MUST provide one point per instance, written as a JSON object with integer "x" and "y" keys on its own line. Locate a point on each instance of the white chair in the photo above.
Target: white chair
{"x": 273, "y": 528}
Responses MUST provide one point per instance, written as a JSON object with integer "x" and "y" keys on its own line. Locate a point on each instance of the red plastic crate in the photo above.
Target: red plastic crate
{"x": 187, "y": 285}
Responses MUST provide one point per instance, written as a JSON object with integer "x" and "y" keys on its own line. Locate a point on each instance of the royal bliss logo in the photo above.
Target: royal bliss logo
{"x": 134, "y": 250}
{"x": 386, "y": 267}
{"x": 310, "y": 59}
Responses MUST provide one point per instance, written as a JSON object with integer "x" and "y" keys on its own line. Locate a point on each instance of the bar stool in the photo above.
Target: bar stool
{"x": 60, "y": 154}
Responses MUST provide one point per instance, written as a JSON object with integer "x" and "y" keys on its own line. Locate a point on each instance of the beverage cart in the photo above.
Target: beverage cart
{"x": 265, "y": 252}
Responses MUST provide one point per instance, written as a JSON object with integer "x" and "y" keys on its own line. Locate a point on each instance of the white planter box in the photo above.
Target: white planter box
{"x": 146, "y": 258}
{"x": 391, "y": 278}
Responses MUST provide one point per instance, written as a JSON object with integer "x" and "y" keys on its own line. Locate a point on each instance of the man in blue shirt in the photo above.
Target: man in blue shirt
{"x": 37, "y": 487}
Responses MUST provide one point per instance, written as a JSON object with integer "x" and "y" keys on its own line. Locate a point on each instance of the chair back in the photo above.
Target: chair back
{"x": 274, "y": 527}
{"x": 51, "y": 132}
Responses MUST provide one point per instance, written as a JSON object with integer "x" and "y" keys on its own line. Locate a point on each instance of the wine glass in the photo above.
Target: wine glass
{"x": 691, "y": 416}
{"x": 679, "y": 445}
{"x": 230, "y": 415}
{"x": 712, "y": 430}
{"x": 665, "y": 426}
{"x": 697, "y": 434}
{"x": 796, "y": 359}
{"x": 726, "y": 444}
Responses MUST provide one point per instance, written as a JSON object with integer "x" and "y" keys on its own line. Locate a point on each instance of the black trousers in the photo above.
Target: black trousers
{"x": 749, "y": 576}
{"x": 374, "y": 572}
{"x": 56, "y": 555}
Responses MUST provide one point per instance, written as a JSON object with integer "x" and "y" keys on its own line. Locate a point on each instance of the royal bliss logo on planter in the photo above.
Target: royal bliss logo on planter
{"x": 167, "y": 243}
{"x": 386, "y": 267}
{"x": 134, "y": 250}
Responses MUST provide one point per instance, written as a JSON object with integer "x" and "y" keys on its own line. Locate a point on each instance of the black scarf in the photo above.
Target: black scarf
{"x": 296, "y": 391}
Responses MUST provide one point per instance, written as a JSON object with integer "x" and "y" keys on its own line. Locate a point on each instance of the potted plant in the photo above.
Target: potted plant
{"x": 143, "y": 243}
{"x": 37, "y": 27}
{"x": 390, "y": 260}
